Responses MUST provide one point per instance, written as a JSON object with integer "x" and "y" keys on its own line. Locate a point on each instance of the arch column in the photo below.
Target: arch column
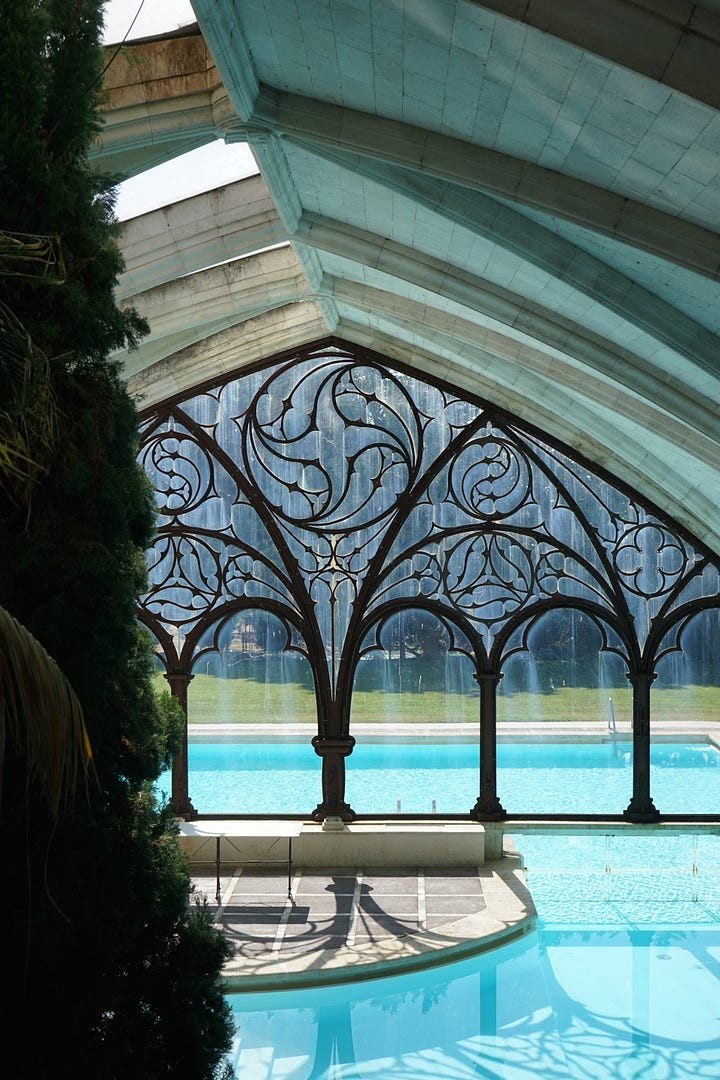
{"x": 641, "y": 807}
{"x": 333, "y": 750}
{"x": 488, "y": 806}
{"x": 180, "y": 797}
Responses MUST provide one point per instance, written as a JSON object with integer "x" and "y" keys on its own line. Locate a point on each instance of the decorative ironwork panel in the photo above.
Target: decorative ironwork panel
{"x": 333, "y": 490}
{"x": 491, "y": 534}
{"x": 212, "y": 545}
{"x": 655, "y": 568}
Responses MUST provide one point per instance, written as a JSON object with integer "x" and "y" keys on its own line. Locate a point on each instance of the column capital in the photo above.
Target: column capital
{"x": 638, "y": 678}
{"x": 488, "y": 677}
{"x": 178, "y": 678}
{"x": 333, "y": 744}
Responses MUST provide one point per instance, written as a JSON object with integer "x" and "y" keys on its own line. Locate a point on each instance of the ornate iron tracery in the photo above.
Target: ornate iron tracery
{"x": 333, "y": 490}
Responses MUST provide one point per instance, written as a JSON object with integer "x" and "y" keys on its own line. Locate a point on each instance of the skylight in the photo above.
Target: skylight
{"x": 190, "y": 174}
{"x": 203, "y": 169}
{"x": 133, "y": 19}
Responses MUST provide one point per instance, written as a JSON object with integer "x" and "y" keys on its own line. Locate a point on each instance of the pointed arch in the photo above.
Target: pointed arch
{"x": 331, "y": 488}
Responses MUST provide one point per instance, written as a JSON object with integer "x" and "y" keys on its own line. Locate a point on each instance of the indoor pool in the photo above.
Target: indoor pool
{"x": 442, "y": 777}
{"x": 612, "y": 985}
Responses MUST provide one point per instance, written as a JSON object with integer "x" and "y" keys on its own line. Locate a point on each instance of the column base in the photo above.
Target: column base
{"x": 492, "y": 812}
{"x": 324, "y": 813}
{"x": 638, "y": 814}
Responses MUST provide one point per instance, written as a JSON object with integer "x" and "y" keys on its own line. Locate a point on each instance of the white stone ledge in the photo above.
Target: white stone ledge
{"x": 311, "y": 845}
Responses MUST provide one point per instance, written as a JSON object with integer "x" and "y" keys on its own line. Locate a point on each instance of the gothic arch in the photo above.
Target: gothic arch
{"x": 332, "y": 487}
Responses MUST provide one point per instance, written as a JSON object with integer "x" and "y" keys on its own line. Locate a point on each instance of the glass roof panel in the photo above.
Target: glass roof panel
{"x": 128, "y": 20}
{"x": 202, "y": 169}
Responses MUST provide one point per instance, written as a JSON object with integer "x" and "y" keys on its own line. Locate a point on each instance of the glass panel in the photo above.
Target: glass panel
{"x": 128, "y": 22}
{"x": 251, "y": 711}
{"x": 564, "y": 721}
{"x": 685, "y": 719}
{"x": 415, "y": 710}
{"x": 335, "y": 490}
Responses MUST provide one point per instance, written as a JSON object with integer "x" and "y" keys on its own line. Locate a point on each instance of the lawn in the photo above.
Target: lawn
{"x": 212, "y": 701}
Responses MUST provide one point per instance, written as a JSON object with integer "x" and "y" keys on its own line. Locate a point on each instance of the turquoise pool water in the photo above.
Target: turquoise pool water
{"x": 419, "y": 777}
{"x": 620, "y": 981}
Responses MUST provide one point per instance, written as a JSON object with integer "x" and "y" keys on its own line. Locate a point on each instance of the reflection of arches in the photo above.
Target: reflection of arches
{"x": 334, "y": 1048}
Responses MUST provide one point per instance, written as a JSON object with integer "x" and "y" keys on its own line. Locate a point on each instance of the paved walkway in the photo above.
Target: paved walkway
{"x": 363, "y": 922}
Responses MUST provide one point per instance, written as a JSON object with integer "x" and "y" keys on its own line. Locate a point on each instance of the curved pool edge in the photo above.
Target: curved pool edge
{"x": 505, "y": 914}
{"x": 377, "y": 969}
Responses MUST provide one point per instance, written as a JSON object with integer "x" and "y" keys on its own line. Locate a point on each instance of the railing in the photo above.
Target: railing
{"x": 647, "y": 872}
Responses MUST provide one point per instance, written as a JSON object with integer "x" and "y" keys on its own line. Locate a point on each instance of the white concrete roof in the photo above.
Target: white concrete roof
{"x": 520, "y": 197}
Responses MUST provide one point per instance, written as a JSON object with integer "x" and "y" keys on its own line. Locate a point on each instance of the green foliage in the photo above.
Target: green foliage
{"x": 50, "y": 67}
{"x": 171, "y": 728}
{"x": 105, "y": 956}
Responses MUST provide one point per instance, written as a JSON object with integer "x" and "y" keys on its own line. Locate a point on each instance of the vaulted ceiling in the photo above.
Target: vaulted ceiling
{"x": 520, "y": 196}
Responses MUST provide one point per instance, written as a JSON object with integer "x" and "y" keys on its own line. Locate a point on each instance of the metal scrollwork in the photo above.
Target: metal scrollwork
{"x": 489, "y": 478}
{"x": 185, "y": 574}
{"x": 332, "y": 489}
{"x": 650, "y": 559}
{"x": 488, "y": 576}
{"x": 181, "y": 471}
{"x": 333, "y": 451}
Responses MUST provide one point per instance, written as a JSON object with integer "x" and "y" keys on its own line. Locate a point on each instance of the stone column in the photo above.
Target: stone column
{"x": 488, "y": 806}
{"x": 641, "y": 806}
{"x": 180, "y": 798}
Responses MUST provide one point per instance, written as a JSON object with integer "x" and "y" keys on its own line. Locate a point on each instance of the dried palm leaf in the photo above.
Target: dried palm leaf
{"x": 39, "y": 708}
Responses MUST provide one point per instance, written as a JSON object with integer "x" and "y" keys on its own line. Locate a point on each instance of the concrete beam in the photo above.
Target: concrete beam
{"x": 196, "y": 233}
{"x": 189, "y": 309}
{"x": 524, "y": 320}
{"x": 499, "y": 224}
{"x": 163, "y": 97}
{"x": 227, "y": 351}
{"x": 675, "y": 42}
{"x": 479, "y": 168}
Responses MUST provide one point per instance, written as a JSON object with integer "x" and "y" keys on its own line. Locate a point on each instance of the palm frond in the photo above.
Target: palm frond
{"x": 35, "y": 256}
{"x": 28, "y": 420}
{"x": 39, "y": 708}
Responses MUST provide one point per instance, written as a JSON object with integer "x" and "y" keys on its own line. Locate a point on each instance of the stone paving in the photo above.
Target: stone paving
{"x": 356, "y": 923}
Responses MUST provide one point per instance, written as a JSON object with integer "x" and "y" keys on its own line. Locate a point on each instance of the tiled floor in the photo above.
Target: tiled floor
{"x": 345, "y": 919}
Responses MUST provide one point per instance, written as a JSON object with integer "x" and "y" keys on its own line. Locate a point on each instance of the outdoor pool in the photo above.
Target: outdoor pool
{"x": 620, "y": 981}
{"x": 422, "y": 777}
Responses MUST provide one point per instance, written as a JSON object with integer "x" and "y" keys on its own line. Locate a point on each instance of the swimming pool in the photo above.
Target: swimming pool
{"x": 427, "y": 776}
{"x": 607, "y": 987}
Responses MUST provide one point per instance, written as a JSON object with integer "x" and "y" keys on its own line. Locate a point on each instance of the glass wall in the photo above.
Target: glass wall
{"x": 685, "y": 710}
{"x": 415, "y": 718}
{"x": 375, "y": 572}
{"x": 564, "y": 720}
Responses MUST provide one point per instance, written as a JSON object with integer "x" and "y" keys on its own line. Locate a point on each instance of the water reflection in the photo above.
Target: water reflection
{"x": 579, "y": 1005}
{"x": 633, "y": 990}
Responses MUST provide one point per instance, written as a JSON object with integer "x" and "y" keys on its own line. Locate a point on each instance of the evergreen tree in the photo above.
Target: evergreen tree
{"x": 110, "y": 972}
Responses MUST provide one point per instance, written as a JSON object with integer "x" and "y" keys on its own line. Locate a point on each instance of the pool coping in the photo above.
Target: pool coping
{"x": 508, "y": 913}
{"x": 515, "y": 731}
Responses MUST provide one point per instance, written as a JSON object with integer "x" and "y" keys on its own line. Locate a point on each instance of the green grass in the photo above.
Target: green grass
{"x": 213, "y": 701}
{"x": 247, "y": 701}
